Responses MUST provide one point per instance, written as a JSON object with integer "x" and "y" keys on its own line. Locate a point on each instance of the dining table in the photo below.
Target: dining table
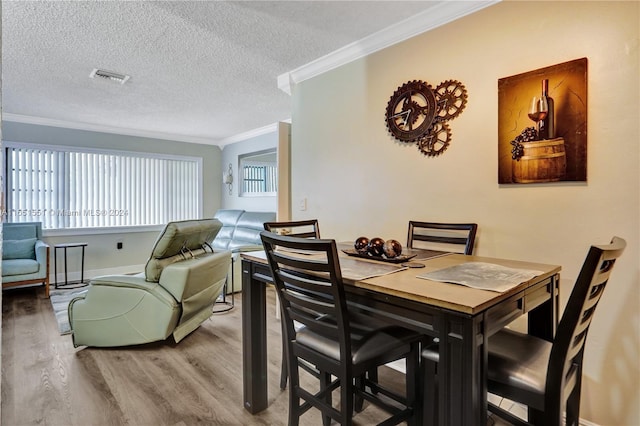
{"x": 458, "y": 317}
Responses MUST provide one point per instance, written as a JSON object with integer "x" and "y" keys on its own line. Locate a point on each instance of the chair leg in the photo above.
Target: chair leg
{"x": 325, "y": 381}
{"x": 294, "y": 399}
{"x": 358, "y": 403}
{"x": 373, "y": 376}
{"x": 413, "y": 391}
{"x": 430, "y": 393}
{"x": 284, "y": 370}
{"x": 346, "y": 402}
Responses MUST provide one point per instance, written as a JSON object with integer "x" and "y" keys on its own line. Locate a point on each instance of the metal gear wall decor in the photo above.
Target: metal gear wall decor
{"x": 411, "y": 111}
{"x": 418, "y": 114}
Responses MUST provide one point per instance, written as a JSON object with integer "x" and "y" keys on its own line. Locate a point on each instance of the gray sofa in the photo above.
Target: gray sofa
{"x": 240, "y": 232}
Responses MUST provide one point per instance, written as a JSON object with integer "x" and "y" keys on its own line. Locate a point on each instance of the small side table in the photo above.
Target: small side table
{"x": 65, "y": 246}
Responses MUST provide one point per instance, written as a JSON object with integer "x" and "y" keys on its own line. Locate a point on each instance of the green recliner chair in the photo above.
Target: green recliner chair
{"x": 176, "y": 293}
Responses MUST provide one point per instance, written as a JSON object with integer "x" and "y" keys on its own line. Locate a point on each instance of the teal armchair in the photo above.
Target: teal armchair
{"x": 25, "y": 257}
{"x": 173, "y": 296}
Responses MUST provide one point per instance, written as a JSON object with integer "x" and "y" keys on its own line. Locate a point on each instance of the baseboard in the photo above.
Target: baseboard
{"x": 584, "y": 422}
{"x": 92, "y": 273}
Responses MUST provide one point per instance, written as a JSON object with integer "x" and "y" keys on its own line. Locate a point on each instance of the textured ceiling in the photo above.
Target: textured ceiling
{"x": 203, "y": 70}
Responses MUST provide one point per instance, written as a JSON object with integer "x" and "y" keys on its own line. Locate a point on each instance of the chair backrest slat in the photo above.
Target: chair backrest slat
{"x": 295, "y": 262}
{"x": 299, "y": 228}
{"x": 440, "y": 239}
{"x": 304, "y": 291}
{"x": 462, "y": 234}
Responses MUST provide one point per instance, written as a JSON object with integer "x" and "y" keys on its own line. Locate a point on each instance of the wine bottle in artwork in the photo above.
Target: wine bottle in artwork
{"x": 547, "y": 125}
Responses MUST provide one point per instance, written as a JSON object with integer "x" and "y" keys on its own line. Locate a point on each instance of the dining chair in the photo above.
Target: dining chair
{"x": 446, "y": 236}
{"x": 298, "y": 228}
{"x": 443, "y": 234}
{"x": 301, "y": 229}
{"x": 312, "y": 293}
{"x": 544, "y": 376}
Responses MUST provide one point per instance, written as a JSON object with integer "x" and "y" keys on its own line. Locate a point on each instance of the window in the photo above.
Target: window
{"x": 259, "y": 173}
{"x": 93, "y": 188}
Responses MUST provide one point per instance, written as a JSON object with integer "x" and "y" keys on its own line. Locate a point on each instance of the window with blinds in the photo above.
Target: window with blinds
{"x": 259, "y": 179}
{"x": 259, "y": 173}
{"x": 75, "y": 189}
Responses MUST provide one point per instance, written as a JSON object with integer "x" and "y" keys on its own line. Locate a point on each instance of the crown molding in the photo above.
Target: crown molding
{"x": 248, "y": 135}
{"x": 436, "y": 16}
{"x": 41, "y": 121}
{"x": 270, "y": 128}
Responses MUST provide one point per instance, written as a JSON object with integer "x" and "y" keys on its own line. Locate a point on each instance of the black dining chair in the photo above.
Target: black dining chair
{"x": 312, "y": 293}
{"x": 443, "y": 234}
{"x": 298, "y": 228}
{"x": 301, "y": 229}
{"x": 544, "y": 376}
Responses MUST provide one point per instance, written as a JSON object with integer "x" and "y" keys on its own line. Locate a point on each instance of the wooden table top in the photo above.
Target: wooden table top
{"x": 405, "y": 284}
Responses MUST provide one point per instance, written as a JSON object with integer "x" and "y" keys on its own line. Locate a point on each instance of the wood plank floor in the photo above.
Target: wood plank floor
{"x": 45, "y": 380}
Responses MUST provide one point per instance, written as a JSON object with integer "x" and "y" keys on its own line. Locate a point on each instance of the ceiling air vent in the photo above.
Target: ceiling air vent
{"x": 109, "y": 75}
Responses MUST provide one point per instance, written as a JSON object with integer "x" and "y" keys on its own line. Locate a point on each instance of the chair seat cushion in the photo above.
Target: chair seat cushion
{"x": 364, "y": 346}
{"x": 19, "y": 267}
{"x": 519, "y": 361}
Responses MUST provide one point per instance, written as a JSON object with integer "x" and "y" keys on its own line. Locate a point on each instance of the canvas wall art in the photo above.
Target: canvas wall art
{"x": 542, "y": 125}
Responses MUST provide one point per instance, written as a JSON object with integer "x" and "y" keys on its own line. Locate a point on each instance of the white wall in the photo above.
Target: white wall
{"x": 359, "y": 181}
{"x": 230, "y": 154}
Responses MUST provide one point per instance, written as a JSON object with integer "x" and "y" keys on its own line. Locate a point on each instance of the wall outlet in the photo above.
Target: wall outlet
{"x": 119, "y": 245}
{"x": 302, "y": 204}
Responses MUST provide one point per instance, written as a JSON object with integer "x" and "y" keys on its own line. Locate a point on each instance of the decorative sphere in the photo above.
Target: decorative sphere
{"x": 375, "y": 246}
{"x": 361, "y": 245}
{"x": 392, "y": 248}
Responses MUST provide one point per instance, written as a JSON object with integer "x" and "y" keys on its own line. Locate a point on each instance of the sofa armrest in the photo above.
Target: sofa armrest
{"x": 42, "y": 252}
{"x": 243, "y": 249}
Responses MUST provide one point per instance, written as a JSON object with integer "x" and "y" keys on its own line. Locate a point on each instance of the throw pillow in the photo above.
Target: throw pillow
{"x": 19, "y": 249}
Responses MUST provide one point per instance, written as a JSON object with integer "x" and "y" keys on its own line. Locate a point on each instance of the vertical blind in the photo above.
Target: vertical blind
{"x": 259, "y": 179}
{"x": 64, "y": 189}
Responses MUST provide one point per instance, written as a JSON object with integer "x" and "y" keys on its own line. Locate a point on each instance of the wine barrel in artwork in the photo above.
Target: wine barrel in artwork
{"x": 541, "y": 161}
